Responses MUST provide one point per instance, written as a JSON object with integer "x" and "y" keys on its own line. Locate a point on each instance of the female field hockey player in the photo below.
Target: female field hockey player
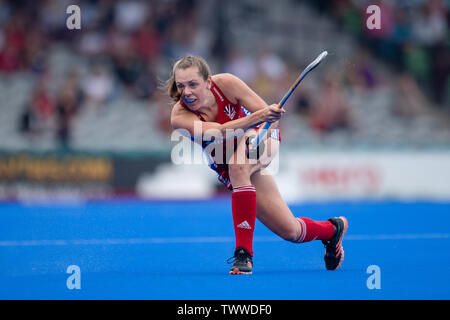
{"x": 223, "y": 103}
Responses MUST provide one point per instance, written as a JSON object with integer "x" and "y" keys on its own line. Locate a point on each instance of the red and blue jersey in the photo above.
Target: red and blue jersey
{"x": 227, "y": 111}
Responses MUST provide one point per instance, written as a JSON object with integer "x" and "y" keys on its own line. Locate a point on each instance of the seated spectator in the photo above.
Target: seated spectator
{"x": 67, "y": 108}
{"x": 410, "y": 101}
{"x": 147, "y": 83}
{"x": 43, "y": 105}
{"x": 302, "y": 100}
{"x": 130, "y": 14}
{"x": 147, "y": 41}
{"x": 39, "y": 111}
{"x": 430, "y": 27}
{"x": 241, "y": 64}
{"x": 14, "y": 43}
{"x": 98, "y": 86}
{"x": 272, "y": 77}
{"x": 361, "y": 74}
{"x": 331, "y": 110}
{"x": 28, "y": 122}
{"x": 127, "y": 68}
{"x": 9, "y": 60}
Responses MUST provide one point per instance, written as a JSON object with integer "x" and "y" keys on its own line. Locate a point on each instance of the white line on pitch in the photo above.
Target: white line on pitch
{"x": 130, "y": 241}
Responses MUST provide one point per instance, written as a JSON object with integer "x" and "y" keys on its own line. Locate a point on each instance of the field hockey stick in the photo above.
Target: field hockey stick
{"x": 262, "y": 131}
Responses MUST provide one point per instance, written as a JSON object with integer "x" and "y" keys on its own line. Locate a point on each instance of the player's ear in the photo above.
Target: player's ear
{"x": 209, "y": 83}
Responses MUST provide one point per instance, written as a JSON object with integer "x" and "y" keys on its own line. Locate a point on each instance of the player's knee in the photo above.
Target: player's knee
{"x": 291, "y": 235}
{"x": 238, "y": 171}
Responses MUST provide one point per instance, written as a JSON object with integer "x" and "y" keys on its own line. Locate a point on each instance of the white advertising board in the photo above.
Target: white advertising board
{"x": 319, "y": 176}
{"x": 353, "y": 175}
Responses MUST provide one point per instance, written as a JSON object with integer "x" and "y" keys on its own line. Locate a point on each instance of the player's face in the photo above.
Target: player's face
{"x": 192, "y": 87}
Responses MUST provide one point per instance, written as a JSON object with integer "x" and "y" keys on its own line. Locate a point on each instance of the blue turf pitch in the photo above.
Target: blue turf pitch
{"x": 132, "y": 249}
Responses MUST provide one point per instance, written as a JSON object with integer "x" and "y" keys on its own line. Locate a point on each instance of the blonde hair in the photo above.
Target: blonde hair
{"x": 184, "y": 63}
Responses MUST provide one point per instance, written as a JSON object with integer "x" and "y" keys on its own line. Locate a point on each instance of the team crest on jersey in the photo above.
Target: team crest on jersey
{"x": 229, "y": 111}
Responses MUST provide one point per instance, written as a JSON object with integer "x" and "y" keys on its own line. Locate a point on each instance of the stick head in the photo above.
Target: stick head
{"x": 318, "y": 60}
{"x": 255, "y": 142}
{"x": 322, "y": 55}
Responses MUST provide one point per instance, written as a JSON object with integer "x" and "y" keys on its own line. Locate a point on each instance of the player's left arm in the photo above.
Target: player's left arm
{"x": 237, "y": 91}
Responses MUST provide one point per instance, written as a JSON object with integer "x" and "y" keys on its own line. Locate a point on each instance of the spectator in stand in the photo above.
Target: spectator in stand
{"x": 98, "y": 86}
{"x": 130, "y": 14}
{"x": 381, "y": 40}
{"x": 67, "y": 108}
{"x": 28, "y": 123}
{"x": 241, "y": 64}
{"x": 92, "y": 43}
{"x": 430, "y": 26}
{"x": 128, "y": 68}
{"x": 271, "y": 78}
{"x": 410, "y": 100}
{"x": 14, "y": 42}
{"x": 39, "y": 111}
{"x": 34, "y": 55}
{"x": 146, "y": 84}
{"x": 43, "y": 104}
{"x": 302, "y": 100}
{"x": 147, "y": 41}
{"x": 360, "y": 73}
{"x": 9, "y": 60}
{"x": 331, "y": 110}
{"x": 430, "y": 30}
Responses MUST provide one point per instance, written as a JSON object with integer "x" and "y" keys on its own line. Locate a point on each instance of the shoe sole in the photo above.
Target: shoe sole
{"x": 340, "y": 242}
{"x": 237, "y": 271}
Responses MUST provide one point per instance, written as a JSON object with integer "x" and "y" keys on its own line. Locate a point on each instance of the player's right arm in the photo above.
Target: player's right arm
{"x": 201, "y": 130}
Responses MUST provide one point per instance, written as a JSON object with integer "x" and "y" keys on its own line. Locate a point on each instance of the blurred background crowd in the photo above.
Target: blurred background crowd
{"x": 90, "y": 176}
{"x": 98, "y": 88}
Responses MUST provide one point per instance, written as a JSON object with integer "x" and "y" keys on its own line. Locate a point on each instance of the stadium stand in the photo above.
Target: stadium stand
{"x": 120, "y": 60}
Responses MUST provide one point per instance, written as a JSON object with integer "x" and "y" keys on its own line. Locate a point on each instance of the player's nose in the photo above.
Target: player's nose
{"x": 187, "y": 91}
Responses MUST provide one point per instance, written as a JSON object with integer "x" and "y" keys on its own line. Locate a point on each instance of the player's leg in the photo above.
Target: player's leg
{"x": 272, "y": 209}
{"x": 273, "y": 212}
{"x": 268, "y": 205}
{"x": 243, "y": 203}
